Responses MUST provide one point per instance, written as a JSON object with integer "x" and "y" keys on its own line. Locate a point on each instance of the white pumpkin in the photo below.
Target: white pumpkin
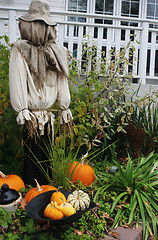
{"x": 79, "y": 200}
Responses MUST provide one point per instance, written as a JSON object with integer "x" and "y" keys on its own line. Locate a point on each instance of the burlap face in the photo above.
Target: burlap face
{"x": 40, "y": 50}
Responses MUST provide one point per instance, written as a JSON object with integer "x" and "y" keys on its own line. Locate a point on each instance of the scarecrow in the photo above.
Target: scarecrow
{"x": 38, "y": 77}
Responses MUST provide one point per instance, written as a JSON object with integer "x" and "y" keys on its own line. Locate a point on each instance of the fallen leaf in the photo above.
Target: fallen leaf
{"x": 129, "y": 190}
{"x": 43, "y": 227}
{"x": 107, "y": 169}
{"x": 107, "y": 216}
{"x": 126, "y": 225}
{"x": 114, "y": 234}
{"x": 23, "y": 203}
{"x": 119, "y": 206}
{"x": 77, "y": 232}
{"x": 98, "y": 205}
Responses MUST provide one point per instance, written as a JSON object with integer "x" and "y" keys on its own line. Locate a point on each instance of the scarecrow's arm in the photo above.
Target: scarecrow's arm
{"x": 18, "y": 86}
{"x": 64, "y": 99}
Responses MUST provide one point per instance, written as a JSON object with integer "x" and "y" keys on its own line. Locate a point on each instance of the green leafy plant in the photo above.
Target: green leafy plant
{"x": 136, "y": 184}
{"x": 58, "y": 156}
{"x": 145, "y": 115}
{"x": 10, "y": 132}
{"x": 4, "y": 220}
{"x": 98, "y": 95}
{"x": 15, "y": 224}
{"x": 100, "y": 91}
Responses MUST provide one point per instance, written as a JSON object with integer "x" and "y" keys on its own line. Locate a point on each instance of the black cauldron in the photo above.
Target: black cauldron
{"x": 35, "y": 209}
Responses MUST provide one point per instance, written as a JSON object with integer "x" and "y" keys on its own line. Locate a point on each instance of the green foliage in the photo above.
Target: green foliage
{"x": 5, "y": 218}
{"x": 10, "y": 133}
{"x": 58, "y": 157}
{"x": 13, "y": 225}
{"x": 136, "y": 185}
{"x": 94, "y": 224}
{"x": 145, "y": 116}
{"x": 141, "y": 128}
{"x": 99, "y": 88}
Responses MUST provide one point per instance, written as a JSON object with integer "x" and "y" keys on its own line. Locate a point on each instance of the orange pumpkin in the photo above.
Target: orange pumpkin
{"x": 52, "y": 212}
{"x": 57, "y": 196}
{"x": 38, "y": 190}
{"x": 81, "y": 171}
{"x": 13, "y": 181}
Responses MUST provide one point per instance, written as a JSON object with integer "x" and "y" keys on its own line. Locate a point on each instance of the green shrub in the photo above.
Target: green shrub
{"x": 98, "y": 95}
{"x": 10, "y": 133}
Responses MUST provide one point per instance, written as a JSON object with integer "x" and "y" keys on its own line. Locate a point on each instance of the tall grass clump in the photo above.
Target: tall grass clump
{"x": 136, "y": 185}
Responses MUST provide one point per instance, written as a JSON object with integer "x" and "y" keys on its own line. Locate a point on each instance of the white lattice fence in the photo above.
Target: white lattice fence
{"x": 108, "y": 36}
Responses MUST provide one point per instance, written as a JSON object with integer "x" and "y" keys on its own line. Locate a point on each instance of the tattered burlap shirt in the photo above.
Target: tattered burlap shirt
{"x": 38, "y": 76}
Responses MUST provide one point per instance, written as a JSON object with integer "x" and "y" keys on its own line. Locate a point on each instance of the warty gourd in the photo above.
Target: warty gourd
{"x": 79, "y": 200}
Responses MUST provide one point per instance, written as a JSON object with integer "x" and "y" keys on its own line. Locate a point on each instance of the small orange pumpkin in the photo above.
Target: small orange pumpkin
{"x": 52, "y": 212}
{"x": 38, "y": 190}
{"x": 57, "y": 195}
{"x": 13, "y": 181}
{"x": 81, "y": 171}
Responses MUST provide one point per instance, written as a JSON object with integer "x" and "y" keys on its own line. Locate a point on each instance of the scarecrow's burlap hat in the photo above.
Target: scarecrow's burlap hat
{"x": 39, "y": 10}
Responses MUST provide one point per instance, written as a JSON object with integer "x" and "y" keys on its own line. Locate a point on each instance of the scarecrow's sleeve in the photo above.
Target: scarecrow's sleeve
{"x": 64, "y": 99}
{"x": 18, "y": 86}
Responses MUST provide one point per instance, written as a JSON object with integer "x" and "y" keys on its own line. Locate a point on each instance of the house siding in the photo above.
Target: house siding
{"x": 15, "y": 3}
{"x": 57, "y": 5}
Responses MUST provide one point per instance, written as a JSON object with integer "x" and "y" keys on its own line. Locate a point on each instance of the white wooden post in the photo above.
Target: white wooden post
{"x": 2, "y": 30}
{"x": 99, "y": 46}
{"x": 143, "y": 52}
{"x": 12, "y": 26}
{"x": 90, "y": 34}
{"x": 71, "y": 38}
{"x": 127, "y": 39}
{"x": 118, "y": 39}
{"x": 152, "y": 55}
{"x": 79, "y": 48}
{"x": 135, "y": 54}
{"x": 61, "y": 33}
{"x": 108, "y": 46}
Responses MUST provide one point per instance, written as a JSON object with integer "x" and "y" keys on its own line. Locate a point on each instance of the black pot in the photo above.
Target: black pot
{"x": 9, "y": 198}
{"x": 8, "y": 195}
{"x": 35, "y": 209}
